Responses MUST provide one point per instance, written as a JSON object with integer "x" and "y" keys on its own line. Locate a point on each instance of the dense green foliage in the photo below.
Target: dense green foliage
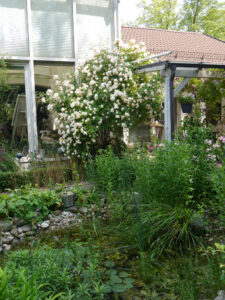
{"x": 75, "y": 272}
{"x": 111, "y": 172}
{"x": 28, "y": 204}
{"x": 158, "y": 14}
{"x": 8, "y": 96}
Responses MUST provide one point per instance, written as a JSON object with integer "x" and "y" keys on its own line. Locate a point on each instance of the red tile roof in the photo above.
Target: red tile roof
{"x": 186, "y": 46}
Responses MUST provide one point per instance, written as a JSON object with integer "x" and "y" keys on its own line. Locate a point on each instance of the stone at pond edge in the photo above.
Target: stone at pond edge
{"x": 24, "y": 228}
{"x": 7, "y": 239}
{"x": 197, "y": 225}
{"x": 44, "y": 225}
{"x": 14, "y": 232}
{"x": 72, "y": 209}
{"x": 5, "y": 226}
{"x": 15, "y": 242}
{"x": 18, "y": 222}
{"x": 57, "y": 212}
{"x": 221, "y": 295}
{"x": 7, "y": 247}
{"x": 83, "y": 210}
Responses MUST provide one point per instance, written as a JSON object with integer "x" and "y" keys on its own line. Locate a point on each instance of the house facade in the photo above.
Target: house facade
{"x": 41, "y": 38}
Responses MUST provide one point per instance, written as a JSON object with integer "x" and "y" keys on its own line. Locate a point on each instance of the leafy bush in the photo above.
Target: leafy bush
{"x": 6, "y": 162}
{"x": 111, "y": 172}
{"x": 200, "y": 138}
{"x": 217, "y": 204}
{"x": 28, "y": 204}
{"x": 167, "y": 178}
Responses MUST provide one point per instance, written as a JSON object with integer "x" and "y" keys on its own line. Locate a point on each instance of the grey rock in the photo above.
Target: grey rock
{"x": 44, "y": 225}
{"x": 18, "y": 222}
{"x": 6, "y": 233}
{"x": 83, "y": 210}
{"x": 21, "y": 235}
{"x": 197, "y": 225}
{"x": 28, "y": 233}
{"x": 72, "y": 209}
{"x": 14, "y": 232}
{"x": 57, "y": 212}
{"x": 221, "y": 295}
{"x": 7, "y": 247}
{"x": 24, "y": 228}
{"x": 1, "y": 249}
{"x": 7, "y": 239}
{"x": 57, "y": 219}
{"x": 22, "y": 240}
{"x": 86, "y": 186}
{"x": 66, "y": 214}
{"x": 5, "y": 226}
{"x": 16, "y": 242}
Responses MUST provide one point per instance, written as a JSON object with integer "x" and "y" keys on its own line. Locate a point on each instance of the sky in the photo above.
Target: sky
{"x": 129, "y": 11}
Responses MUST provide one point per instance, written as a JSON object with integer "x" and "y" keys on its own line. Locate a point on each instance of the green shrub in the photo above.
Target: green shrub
{"x": 28, "y": 204}
{"x": 6, "y": 162}
{"x": 111, "y": 172}
{"x": 168, "y": 177}
{"x": 217, "y": 204}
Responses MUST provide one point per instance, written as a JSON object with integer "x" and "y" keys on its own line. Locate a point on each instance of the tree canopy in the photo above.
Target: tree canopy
{"x": 205, "y": 16}
{"x": 158, "y": 14}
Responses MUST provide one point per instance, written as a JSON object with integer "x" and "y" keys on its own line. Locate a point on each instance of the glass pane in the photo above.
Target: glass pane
{"x": 13, "y": 28}
{"x": 95, "y": 25}
{"x": 52, "y": 27}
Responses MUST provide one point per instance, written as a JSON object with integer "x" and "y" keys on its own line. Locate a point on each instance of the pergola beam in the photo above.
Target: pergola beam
{"x": 180, "y": 86}
{"x": 151, "y": 69}
{"x": 195, "y": 74}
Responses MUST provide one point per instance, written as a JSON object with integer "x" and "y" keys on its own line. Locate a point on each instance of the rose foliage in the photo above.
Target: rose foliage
{"x": 104, "y": 95}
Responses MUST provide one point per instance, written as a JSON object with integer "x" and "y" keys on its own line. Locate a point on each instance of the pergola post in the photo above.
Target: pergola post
{"x": 169, "y": 104}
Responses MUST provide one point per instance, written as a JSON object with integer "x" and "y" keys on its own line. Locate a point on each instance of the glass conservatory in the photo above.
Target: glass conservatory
{"x": 53, "y": 32}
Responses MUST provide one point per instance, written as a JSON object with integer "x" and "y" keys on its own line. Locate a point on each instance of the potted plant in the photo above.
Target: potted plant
{"x": 186, "y": 103}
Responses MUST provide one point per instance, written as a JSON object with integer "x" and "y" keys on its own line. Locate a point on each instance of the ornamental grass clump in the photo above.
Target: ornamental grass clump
{"x": 104, "y": 96}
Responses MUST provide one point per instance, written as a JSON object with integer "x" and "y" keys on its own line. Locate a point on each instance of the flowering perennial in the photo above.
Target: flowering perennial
{"x": 104, "y": 94}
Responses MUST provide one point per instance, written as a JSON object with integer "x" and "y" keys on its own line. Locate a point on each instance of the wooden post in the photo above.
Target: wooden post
{"x": 169, "y": 105}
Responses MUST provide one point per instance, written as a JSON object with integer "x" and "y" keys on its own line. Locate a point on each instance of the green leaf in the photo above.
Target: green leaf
{"x": 109, "y": 264}
{"x": 119, "y": 288}
{"x": 123, "y": 274}
{"x": 115, "y": 279}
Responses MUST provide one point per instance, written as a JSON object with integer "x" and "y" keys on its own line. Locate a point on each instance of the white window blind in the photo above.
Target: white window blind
{"x": 94, "y": 25}
{"x": 13, "y": 28}
{"x": 52, "y": 28}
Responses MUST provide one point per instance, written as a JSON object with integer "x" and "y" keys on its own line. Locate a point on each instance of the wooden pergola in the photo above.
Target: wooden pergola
{"x": 187, "y": 70}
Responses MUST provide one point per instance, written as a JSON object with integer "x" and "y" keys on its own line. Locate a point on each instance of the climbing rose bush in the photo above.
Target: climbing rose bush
{"x": 104, "y": 95}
